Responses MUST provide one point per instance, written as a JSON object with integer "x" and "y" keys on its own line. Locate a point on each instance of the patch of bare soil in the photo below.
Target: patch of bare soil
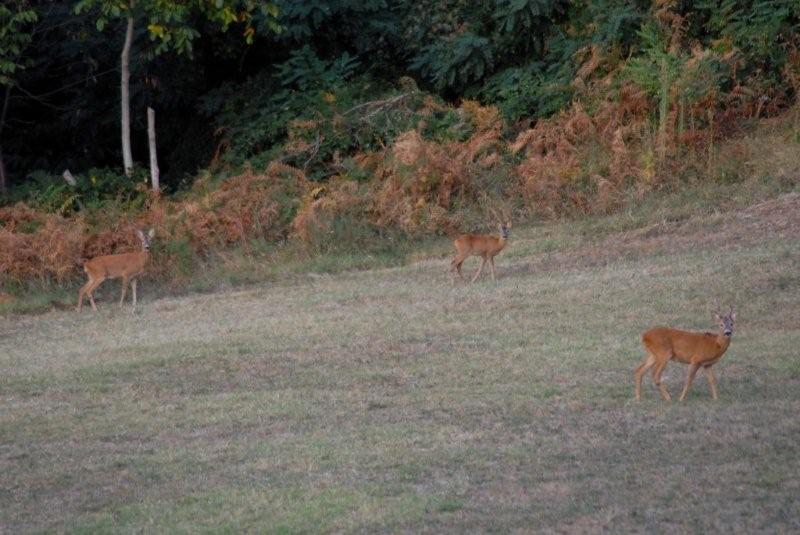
{"x": 769, "y": 220}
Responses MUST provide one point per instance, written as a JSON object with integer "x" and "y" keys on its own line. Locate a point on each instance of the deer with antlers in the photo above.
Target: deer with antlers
{"x": 695, "y": 349}
{"x": 127, "y": 266}
{"x": 481, "y": 245}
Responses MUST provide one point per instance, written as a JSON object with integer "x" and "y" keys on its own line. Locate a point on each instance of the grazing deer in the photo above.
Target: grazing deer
{"x": 484, "y": 246}
{"x": 695, "y": 349}
{"x": 125, "y": 265}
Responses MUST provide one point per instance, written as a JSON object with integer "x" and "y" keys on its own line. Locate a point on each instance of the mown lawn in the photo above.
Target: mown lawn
{"x": 391, "y": 400}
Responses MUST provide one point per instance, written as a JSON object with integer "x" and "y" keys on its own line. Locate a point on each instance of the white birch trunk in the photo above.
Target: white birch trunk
{"x": 3, "y": 177}
{"x": 127, "y": 156}
{"x": 68, "y": 178}
{"x": 151, "y": 141}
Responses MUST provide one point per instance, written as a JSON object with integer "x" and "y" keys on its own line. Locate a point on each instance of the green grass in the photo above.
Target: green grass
{"x": 391, "y": 400}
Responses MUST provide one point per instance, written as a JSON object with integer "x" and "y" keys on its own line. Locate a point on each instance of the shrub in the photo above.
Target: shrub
{"x": 95, "y": 190}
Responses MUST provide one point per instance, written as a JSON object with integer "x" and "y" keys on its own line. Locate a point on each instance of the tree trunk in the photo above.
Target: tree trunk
{"x": 663, "y": 109}
{"x": 3, "y": 177}
{"x": 127, "y": 157}
{"x": 151, "y": 140}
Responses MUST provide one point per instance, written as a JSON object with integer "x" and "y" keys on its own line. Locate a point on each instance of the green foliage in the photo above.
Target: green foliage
{"x": 611, "y": 23}
{"x": 170, "y": 23}
{"x": 538, "y": 82}
{"x": 761, "y": 34}
{"x": 447, "y": 125}
{"x": 524, "y": 24}
{"x": 94, "y": 190}
{"x": 304, "y": 87}
{"x": 539, "y": 88}
{"x": 319, "y": 128}
{"x": 321, "y": 111}
{"x": 182, "y": 254}
{"x": 321, "y": 63}
{"x": 341, "y": 18}
{"x": 672, "y": 75}
{"x": 649, "y": 69}
{"x": 464, "y": 44}
{"x": 304, "y": 70}
{"x": 15, "y": 35}
{"x": 455, "y": 64}
{"x": 757, "y": 27}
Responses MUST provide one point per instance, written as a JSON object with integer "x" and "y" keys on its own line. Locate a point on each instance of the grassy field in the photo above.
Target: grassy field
{"x": 391, "y": 400}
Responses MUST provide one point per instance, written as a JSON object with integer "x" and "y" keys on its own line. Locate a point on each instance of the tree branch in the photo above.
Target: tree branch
{"x": 379, "y": 105}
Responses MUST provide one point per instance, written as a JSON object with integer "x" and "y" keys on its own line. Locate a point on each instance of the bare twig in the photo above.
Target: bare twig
{"x": 314, "y": 150}
{"x": 378, "y": 105}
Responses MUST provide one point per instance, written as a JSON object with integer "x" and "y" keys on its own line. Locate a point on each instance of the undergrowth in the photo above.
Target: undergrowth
{"x": 443, "y": 171}
{"x": 176, "y": 268}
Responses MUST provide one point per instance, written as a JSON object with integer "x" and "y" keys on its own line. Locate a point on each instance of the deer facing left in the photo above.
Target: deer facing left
{"x": 126, "y": 266}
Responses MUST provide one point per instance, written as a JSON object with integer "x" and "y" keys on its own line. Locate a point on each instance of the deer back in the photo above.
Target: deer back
{"x": 117, "y": 265}
{"x": 685, "y": 346}
{"x": 479, "y": 244}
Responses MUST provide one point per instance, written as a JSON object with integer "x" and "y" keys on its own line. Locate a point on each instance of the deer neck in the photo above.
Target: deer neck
{"x": 723, "y": 342}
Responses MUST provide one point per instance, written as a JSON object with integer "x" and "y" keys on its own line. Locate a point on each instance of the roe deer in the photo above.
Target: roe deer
{"x": 125, "y": 265}
{"x": 692, "y": 348}
{"x": 484, "y": 246}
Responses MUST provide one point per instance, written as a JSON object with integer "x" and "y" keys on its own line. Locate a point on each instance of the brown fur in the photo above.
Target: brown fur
{"x": 127, "y": 266}
{"x": 481, "y": 245}
{"x": 695, "y": 349}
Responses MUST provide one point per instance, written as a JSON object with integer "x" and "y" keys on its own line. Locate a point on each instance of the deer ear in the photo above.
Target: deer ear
{"x": 733, "y": 316}
{"x": 152, "y": 232}
{"x": 140, "y": 234}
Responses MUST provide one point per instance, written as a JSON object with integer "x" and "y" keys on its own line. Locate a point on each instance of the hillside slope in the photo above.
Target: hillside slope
{"x": 391, "y": 400}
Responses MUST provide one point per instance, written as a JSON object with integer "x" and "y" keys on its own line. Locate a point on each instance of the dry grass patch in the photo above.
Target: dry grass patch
{"x": 389, "y": 400}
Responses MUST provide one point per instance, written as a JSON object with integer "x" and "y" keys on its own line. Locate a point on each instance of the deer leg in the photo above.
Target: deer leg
{"x": 659, "y": 368}
{"x": 689, "y": 378}
{"x": 124, "y": 290}
{"x": 455, "y": 265}
{"x": 453, "y": 275}
{"x": 640, "y": 370}
{"x": 82, "y": 293}
{"x": 491, "y": 262}
{"x": 90, "y": 292}
{"x": 480, "y": 268}
{"x": 133, "y": 287}
{"x": 712, "y": 382}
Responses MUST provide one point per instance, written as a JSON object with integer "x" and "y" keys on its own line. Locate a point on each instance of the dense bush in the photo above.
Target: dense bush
{"x": 318, "y": 59}
{"x": 364, "y": 123}
{"x": 93, "y": 190}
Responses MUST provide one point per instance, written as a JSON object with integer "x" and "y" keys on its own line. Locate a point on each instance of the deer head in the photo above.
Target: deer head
{"x": 145, "y": 238}
{"x": 726, "y": 322}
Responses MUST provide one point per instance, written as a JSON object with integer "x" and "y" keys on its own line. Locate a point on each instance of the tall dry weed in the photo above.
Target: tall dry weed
{"x": 577, "y": 162}
{"x": 39, "y": 246}
{"x": 574, "y": 162}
